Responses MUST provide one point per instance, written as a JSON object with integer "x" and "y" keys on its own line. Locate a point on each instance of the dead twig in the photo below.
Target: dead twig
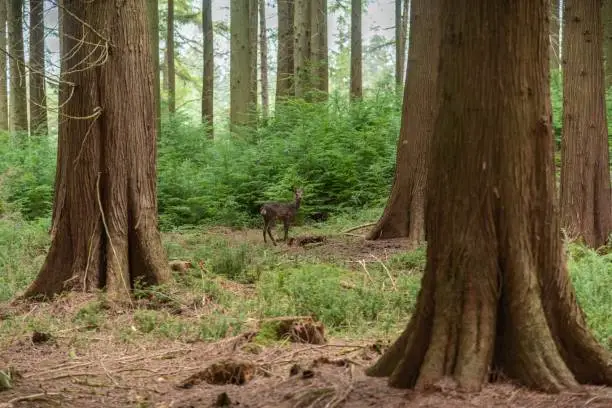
{"x": 41, "y": 396}
{"x": 369, "y": 224}
{"x": 386, "y": 270}
{"x": 363, "y": 265}
{"x": 336, "y": 401}
{"x": 61, "y": 367}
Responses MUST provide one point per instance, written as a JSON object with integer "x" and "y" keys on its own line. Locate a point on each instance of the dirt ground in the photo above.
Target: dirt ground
{"x": 76, "y": 368}
{"x": 154, "y": 375}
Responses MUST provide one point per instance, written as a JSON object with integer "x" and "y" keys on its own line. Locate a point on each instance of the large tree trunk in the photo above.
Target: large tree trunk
{"x": 4, "y": 125}
{"x": 607, "y": 22}
{"x": 404, "y": 215}
{"x": 171, "y": 77}
{"x": 495, "y": 295}
{"x": 284, "y": 66}
{"x": 240, "y": 59}
{"x": 263, "y": 56}
{"x": 586, "y": 201}
{"x": 105, "y": 219}
{"x": 319, "y": 50}
{"x": 18, "y": 107}
{"x": 301, "y": 50}
{"x": 153, "y": 19}
{"x": 356, "y": 64}
{"x": 209, "y": 66}
{"x": 555, "y": 43}
{"x": 400, "y": 41}
{"x": 38, "y": 93}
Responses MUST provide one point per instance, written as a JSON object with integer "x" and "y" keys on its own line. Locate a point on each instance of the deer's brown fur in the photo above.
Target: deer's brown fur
{"x": 281, "y": 211}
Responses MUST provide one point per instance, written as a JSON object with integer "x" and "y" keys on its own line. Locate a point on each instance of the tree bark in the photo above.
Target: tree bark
{"x": 208, "y": 74}
{"x": 400, "y": 47}
{"x": 356, "y": 63}
{"x": 607, "y": 23}
{"x": 253, "y": 37}
{"x": 263, "y": 56}
{"x": 153, "y": 20}
{"x": 105, "y": 217}
{"x": 555, "y": 43}
{"x": 404, "y": 215}
{"x": 285, "y": 65}
{"x": 171, "y": 79}
{"x": 4, "y": 122}
{"x": 38, "y": 93}
{"x": 301, "y": 28}
{"x": 495, "y": 295}
{"x": 318, "y": 50}
{"x": 18, "y": 106}
{"x": 240, "y": 59}
{"x": 586, "y": 200}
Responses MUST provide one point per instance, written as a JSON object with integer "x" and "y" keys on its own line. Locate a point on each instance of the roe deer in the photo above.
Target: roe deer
{"x": 282, "y": 211}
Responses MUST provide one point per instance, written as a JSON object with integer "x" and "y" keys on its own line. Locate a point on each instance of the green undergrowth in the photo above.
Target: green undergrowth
{"x": 237, "y": 282}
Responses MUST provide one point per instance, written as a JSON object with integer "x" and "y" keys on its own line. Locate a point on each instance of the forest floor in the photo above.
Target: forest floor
{"x": 211, "y": 337}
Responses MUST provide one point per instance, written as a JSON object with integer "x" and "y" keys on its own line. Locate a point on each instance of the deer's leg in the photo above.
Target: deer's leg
{"x": 270, "y": 233}
{"x": 265, "y": 227}
{"x": 286, "y": 225}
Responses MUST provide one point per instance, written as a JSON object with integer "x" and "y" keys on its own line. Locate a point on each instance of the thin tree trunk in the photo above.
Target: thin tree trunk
{"x": 208, "y": 74}
{"x": 356, "y": 63}
{"x": 285, "y": 65}
{"x": 404, "y": 215}
{"x": 171, "y": 80}
{"x": 106, "y": 202}
{"x": 555, "y": 43}
{"x": 586, "y": 200}
{"x": 301, "y": 51}
{"x": 4, "y": 123}
{"x": 263, "y": 56}
{"x": 240, "y": 60}
{"x": 399, "y": 45}
{"x": 18, "y": 107}
{"x": 153, "y": 20}
{"x": 318, "y": 60}
{"x": 495, "y": 295}
{"x": 38, "y": 92}
{"x": 253, "y": 40}
{"x": 607, "y": 46}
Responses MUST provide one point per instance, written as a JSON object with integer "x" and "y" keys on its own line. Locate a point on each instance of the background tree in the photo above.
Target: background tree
{"x": 171, "y": 73}
{"x": 356, "y": 51}
{"x": 153, "y": 19}
{"x": 263, "y": 56}
{"x": 240, "y": 60}
{"x": 3, "y": 70}
{"x": 607, "y": 23}
{"x": 38, "y": 94}
{"x": 555, "y": 43}
{"x": 311, "y": 79}
{"x": 319, "y": 48}
{"x": 496, "y": 294}
{"x": 18, "y": 106}
{"x": 400, "y": 44}
{"x": 285, "y": 66}
{"x": 253, "y": 39}
{"x": 404, "y": 215}
{"x": 586, "y": 200}
{"x": 106, "y": 203}
{"x": 301, "y": 50}
{"x": 208, "y": 74}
